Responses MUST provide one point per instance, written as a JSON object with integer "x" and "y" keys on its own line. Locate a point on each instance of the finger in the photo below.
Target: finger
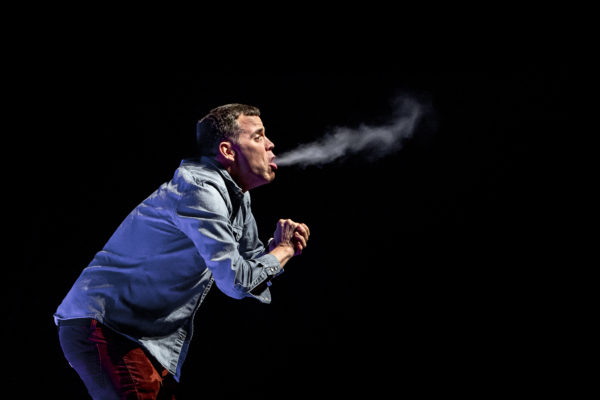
{"x": 300, "y": 239}
{"x": 291, "y": 224}
{"x": 303, "y": 229}
{"x": 286, "y": 222}
{"x": 298, "y": 236}
{"x": 298, "y": 248}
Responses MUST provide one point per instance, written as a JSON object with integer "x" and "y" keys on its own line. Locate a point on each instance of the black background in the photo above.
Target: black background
{"x": 424, "y": 271}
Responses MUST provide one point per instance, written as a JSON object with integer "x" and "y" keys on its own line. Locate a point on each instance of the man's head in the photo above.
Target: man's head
{"x": 234, "y": 135}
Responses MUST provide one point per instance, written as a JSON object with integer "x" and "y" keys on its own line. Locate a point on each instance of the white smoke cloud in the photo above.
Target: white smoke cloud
{"x": 372, "y": 142}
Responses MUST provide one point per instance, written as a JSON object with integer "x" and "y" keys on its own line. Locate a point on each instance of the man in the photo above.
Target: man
{"x": 126, "y": 324}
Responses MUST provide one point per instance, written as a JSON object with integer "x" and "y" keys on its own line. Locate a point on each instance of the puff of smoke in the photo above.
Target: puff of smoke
{"x": 370, "y": 142}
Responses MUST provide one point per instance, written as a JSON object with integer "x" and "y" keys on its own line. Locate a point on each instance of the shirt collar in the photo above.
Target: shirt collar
{"x": 233, "y": 188}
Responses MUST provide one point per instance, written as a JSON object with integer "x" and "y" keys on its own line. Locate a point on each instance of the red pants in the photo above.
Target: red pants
{"x": 112, "y": 366}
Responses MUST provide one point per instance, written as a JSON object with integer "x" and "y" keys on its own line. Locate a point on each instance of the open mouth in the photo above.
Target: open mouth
{"x": 272, "y": 164}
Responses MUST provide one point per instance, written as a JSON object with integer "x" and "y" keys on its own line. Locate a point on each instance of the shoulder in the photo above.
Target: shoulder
{"x": 200, "y": 186}
{"x": 195, "y": 173}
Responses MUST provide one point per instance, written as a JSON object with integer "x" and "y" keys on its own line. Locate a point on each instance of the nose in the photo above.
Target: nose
{"x": 268, "y": 144}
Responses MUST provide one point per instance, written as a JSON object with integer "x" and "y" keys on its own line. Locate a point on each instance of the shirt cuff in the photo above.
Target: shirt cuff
{"x": 259, "y": 289}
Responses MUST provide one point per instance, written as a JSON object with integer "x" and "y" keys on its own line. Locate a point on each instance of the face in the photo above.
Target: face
{"x": 254, "y": 157}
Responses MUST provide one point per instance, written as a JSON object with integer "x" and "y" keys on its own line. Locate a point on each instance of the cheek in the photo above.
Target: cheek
{"x": 257, "y": 160}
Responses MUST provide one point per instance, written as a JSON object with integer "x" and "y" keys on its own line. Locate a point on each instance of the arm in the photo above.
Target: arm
{"x": 289, "y": 240}
{"x": 202, "y": 215}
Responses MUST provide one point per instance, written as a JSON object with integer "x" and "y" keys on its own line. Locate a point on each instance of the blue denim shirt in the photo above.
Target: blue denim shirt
{"x": 154, "y": 272}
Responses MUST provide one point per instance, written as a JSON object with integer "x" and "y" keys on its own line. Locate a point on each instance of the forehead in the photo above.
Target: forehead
{"x": 250, "y": 123}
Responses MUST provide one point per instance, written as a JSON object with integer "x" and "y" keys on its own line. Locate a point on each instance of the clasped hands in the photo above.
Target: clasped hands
{"x": 292, "y": 234}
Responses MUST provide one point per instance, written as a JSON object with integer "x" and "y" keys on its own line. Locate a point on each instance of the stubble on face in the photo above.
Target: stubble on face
{"x": 254, "y": 162}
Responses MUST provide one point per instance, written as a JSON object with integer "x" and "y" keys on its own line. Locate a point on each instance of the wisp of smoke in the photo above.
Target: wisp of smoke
{"x": 372, "y": 142}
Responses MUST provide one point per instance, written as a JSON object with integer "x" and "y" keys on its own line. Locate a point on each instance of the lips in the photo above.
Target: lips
{"x": 273, "y": 166}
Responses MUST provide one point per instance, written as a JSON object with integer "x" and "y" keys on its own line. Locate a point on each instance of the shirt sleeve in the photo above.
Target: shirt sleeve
{"x": 236, "y": 259}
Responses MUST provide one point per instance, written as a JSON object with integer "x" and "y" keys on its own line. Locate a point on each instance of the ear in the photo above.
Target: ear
{"x": 226, "y": 150}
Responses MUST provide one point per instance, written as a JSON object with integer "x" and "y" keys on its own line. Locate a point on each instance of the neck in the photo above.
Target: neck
{"x": 231, "y": 169}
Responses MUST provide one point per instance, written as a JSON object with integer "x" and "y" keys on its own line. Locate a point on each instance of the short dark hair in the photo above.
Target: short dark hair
{"x": 221, "y": 124}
